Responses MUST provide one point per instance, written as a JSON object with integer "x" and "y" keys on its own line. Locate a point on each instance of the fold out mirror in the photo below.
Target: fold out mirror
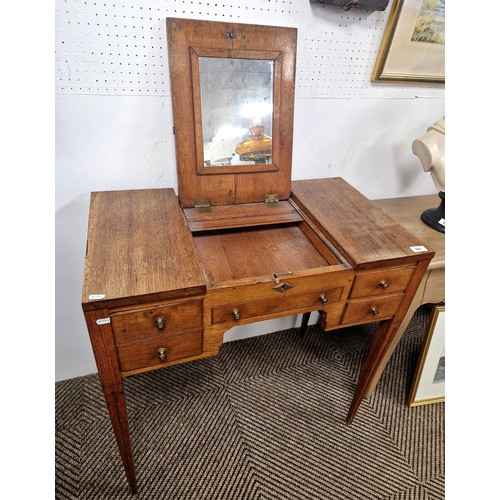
{"x": 232, "y": 97}
{"x": 236, "y": 105}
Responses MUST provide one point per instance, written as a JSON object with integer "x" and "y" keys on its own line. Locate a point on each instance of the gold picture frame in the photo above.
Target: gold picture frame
{"x": 413, "y": 45}
{"x": 429, "y": 381}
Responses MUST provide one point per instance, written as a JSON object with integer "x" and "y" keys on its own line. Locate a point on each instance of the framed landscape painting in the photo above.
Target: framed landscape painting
{"x": 413, "y": 46}
{"x": 428, "y": 383}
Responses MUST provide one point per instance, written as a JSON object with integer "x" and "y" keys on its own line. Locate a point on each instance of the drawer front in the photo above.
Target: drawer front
{"x": 153, "y": 321}
{"x": 159, "y": 350}
{"x": 372, "y": 309}
{"x": 381, "y": 282}
{"x": 260, "y": 289}
{"x": 239, "y": 312}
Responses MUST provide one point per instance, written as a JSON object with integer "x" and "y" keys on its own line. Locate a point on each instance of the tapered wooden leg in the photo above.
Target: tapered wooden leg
{"x": 303, "y": 325}
{"x": 115, "y": 401}
{"x": 384, "y": 335}
{"x": 101, "y": 338}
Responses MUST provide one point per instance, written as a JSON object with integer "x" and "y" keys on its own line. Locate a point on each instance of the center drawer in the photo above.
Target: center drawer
{"x": 255, "y": 299}
{"x": 232, "y": 313}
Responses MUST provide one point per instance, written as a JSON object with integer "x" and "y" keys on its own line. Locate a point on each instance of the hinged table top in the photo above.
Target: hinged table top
{"x": 139, "y": 248}
{"x": 360, "y": 230}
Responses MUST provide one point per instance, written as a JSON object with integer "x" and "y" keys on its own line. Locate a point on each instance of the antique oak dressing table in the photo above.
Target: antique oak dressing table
{"x": 166, "y": 275}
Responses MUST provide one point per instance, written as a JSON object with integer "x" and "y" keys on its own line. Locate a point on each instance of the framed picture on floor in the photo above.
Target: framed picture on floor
{"x": 428, "y": 383}
{"x": 413, "y": 45}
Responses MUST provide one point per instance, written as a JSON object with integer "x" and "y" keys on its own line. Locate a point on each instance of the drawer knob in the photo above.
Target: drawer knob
{"x": 374, "y": 310}
{"x": 323, "y": 298}
{"x": 162, "y": 353}
{"x": 383, "y": 284}
{"x": 236, "y": 314}
{"x": 159, "y": 323}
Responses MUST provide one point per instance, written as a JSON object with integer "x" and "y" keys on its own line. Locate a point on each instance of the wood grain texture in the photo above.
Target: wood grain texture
{"x": 257, "y": 299}
{"x": 139, "y": 249}
{"x": 282, "y": 303}
{"x": 227, "y": 187}
{"x": 364, "y": 233}
{"x": 411, "y": 290}
{"x": 262, "y": 287}
{"x": 385, "y": 332}
{"x": 369, "y": 283}
{"x": 358, "y": 311}
{"x": 246, "y": 253}
{"x": 144, "y": 353}
{"x": 115, "y": 401}
{"x": 103, "y": 347}
{"x": 383, "y": 341}
{"x": 130, "y": 326}
{"x": 101, "y": 338}
{"x": 241, "y": 215}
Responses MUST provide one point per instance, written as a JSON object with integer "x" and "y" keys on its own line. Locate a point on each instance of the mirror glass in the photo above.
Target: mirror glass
{"x": 237, "y": 111}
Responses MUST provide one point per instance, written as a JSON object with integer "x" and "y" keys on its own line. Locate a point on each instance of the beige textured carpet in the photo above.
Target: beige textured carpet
{"x": 263, "y": 420}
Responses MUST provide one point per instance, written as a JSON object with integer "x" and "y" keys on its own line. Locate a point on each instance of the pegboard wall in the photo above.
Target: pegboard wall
{"x": 119, "y": 47}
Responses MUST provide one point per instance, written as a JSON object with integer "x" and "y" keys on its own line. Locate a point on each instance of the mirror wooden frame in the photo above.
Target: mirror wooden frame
{"x": 187, "y": 41}
{"x": 196, "y": 53}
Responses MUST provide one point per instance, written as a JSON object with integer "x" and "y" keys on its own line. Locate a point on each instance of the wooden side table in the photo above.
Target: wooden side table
{"x": 407, "y": 212}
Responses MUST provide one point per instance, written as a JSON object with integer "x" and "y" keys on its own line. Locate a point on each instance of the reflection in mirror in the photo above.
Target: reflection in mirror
{"x": 236, "y": 110}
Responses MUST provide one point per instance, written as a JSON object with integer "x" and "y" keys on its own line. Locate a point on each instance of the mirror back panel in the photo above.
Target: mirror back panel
{"x": 233, "y": 89}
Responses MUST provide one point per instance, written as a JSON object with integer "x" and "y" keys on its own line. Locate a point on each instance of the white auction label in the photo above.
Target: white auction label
{"x": 97, "y": 296}
{"x": 441, "y": 222}
{"x": 418, "y": 248}
{"x": 103, "y": 321}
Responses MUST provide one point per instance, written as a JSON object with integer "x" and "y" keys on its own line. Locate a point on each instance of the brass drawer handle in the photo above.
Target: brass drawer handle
{"x": 383, "y": 284}
{"x": 162, "y": 353}
{"x": 160, "y": 323}
{"x": 323, "y": 298}
{"x": 236, "y": 314}
{"x": 374, "y": 310}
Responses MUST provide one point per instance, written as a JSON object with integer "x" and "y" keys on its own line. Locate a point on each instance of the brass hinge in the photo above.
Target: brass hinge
{"x": 202, "y": 205}
{"x": 271, "y": 198}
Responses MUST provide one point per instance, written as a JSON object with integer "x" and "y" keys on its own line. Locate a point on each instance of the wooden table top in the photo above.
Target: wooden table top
{"x": 131, "y": 256}
{"x": 127, "y": 241}
{"x": 365, "y": 234}
{"x": 407, "y": 212}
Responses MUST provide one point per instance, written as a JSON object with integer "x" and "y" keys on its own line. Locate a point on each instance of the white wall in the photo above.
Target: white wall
{"x": 114, "y": 121}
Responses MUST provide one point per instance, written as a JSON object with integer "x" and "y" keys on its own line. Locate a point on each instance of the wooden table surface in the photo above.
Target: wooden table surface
{"x": 365, "y": 234}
